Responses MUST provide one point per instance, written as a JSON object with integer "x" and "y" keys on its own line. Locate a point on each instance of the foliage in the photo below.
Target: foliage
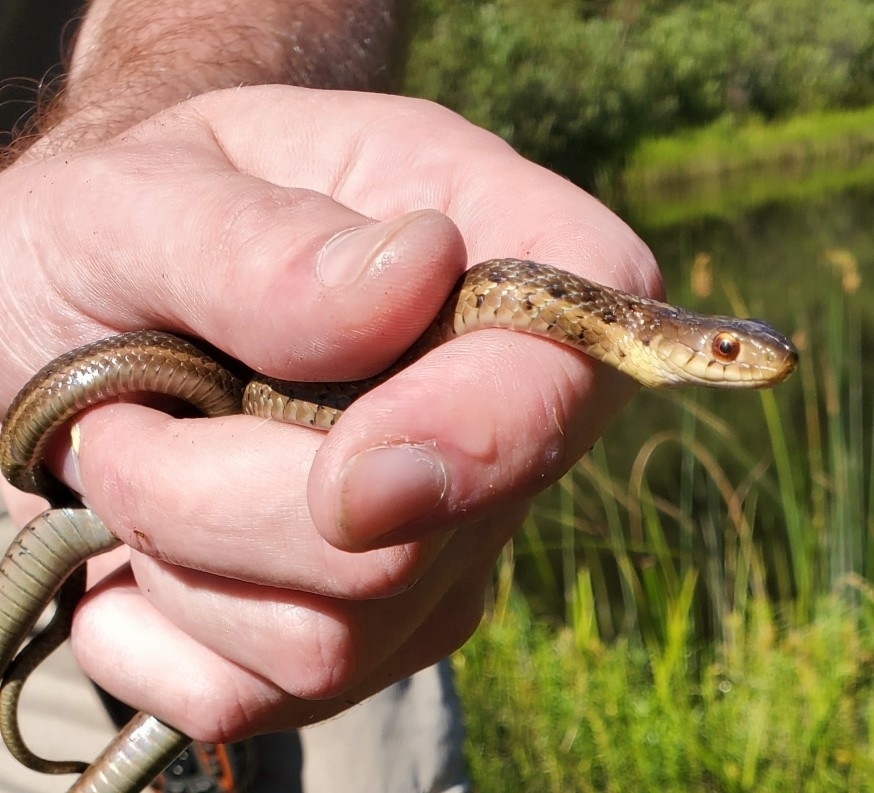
{"x": 771, "y": 711}
{"x": 575, "y": 85}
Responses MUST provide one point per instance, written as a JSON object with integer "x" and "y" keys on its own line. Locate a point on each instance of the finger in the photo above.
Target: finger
{"x": 506, "y": 415}
{"x": 241, "y": 510}
{"x": 278, "y": 633}
{"x": 389, "y": 154}
{"x": 285, "y": 279}
{"x": 160, "y": 669}
{"x": 243, "y": 678}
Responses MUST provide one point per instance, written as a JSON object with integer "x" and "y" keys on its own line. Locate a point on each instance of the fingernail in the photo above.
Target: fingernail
{"x": 70, "y": 473}
{"x": 384, "y": 488}
{"x": 350, "y": 253}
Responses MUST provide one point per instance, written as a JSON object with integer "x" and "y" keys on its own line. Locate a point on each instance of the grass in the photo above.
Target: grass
{"x": 730, "y": 166}
{"x": 777, "y": 711}
{"x": 704, "y": 620}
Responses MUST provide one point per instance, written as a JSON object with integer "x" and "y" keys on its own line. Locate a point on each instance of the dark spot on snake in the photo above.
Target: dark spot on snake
{"x": 609, "y": 316}
{"x": 645, "y": 341}
{"x": 557, "y": 291}
{"x": 480, "y": 299}
{"x": 527, "y": 305}
{"x": 497, "y": 277}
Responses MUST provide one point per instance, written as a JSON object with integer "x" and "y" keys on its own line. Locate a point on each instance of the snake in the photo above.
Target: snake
{"x": 655, "y": 343}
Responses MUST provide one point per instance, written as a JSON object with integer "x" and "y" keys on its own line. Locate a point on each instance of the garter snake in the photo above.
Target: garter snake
{"x": 657, "y": 344}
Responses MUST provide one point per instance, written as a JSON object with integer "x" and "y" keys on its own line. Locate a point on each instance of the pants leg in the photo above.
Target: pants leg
{"x": 406, "y": 739}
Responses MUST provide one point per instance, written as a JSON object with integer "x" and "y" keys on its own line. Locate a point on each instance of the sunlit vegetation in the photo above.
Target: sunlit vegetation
{"x": 579, "y": 85}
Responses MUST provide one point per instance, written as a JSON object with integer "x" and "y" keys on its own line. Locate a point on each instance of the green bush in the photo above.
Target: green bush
{"x": 769, "y": 711}
{"x": 576, "y": 85}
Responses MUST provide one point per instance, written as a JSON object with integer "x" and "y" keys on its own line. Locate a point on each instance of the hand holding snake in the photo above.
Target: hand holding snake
{"x": 485, "y": 454}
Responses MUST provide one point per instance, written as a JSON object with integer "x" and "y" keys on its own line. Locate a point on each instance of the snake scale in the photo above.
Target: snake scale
{"x": 657, "y": 344}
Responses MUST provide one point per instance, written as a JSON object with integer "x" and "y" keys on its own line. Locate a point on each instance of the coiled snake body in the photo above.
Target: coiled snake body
{"x": 655, "y": 343}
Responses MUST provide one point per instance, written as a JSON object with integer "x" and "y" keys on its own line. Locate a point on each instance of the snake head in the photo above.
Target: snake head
{"x": 682, "y": 347}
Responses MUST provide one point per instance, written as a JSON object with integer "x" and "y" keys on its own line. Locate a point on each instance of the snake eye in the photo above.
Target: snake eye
{"x": 726, "y": 347}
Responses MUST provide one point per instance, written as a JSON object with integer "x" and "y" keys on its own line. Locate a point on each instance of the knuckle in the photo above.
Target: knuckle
{"x": 321, "y": 663}
{"x": 394, "y": 570}
{"x": 243, "y": 217}
{"x": 217, "y": 713}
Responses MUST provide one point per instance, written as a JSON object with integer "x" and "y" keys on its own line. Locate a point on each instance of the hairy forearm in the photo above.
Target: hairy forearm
{"x": 133, "y": 58}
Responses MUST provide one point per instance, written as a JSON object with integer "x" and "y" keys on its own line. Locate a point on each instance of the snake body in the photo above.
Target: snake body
{"x": 657, "y": 344}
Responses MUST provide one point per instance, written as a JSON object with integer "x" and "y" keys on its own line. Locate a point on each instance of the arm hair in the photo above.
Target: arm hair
{"x": 133, "y": 58}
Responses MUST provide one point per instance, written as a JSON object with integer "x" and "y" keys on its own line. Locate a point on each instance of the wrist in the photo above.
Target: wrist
{"x": 133, "y": 59}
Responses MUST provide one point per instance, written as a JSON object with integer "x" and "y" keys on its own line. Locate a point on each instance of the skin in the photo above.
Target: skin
{"x": 278, "y": 575}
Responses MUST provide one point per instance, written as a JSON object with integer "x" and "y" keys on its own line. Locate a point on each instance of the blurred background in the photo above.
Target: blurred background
{"x": 691, "y": 607}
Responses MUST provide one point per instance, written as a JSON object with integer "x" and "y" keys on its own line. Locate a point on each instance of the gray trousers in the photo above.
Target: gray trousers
{"x": 406, "y": 739}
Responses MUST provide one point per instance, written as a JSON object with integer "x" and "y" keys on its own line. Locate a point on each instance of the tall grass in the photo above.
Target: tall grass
{"x": 776, "y": 710}
{"x": 713, "y": 628}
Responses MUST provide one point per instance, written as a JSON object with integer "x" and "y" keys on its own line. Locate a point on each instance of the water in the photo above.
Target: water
{"x": 782, "y": 258}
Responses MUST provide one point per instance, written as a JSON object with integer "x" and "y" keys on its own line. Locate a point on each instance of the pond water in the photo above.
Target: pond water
{"x": 783, "y": 258}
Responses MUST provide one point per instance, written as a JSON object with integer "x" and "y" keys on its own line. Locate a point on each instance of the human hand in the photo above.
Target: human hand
{"x": 295, "y": 573}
